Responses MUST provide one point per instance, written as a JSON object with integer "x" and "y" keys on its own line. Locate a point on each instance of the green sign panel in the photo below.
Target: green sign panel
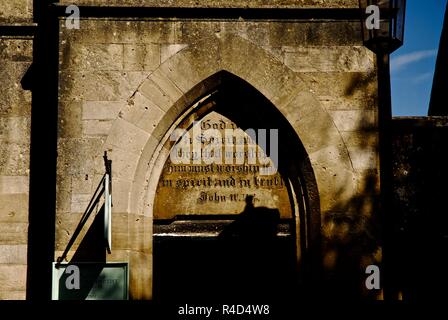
{"x": 90, "y": 281}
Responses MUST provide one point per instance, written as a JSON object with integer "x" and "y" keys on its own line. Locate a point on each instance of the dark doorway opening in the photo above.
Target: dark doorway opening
{"x": 242, "y": 268}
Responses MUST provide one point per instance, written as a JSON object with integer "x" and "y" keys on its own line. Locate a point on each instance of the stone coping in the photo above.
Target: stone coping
{"x": 419, "y": 122}
{"x": 217, "y": 3}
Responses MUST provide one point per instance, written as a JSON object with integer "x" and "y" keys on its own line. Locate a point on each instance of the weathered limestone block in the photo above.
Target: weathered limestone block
{"x": 12, "y": 295}
{"x": 14, "y": 184}
{"x": 141, "y": 57}
{"x": 79, "y": 202}
{"x": 15, "y": 59}
{"x": 107, "y": 85}
{"x": 292, "y": 34}
{"x": 285, "y": 37}
{"x": 102, "y": 57}
{"x": 14, "y": 233}
{"x": 301, "y": 106}
{"x": 109, "y": 31}
{"x": 140, "y": 278}
{"x": 142, "y": 112}
{"x": 122, "y": 190}
{"x": 96, "y": 127}
{"x": 169, "y": 50}
{"x": 101, "y": 110}
{"x": 153, "y": 91}
{"x": 98, "y": 116}
{"x": 329, "y": 59}
{"x": 127, "y": 136}
{"x": 78, "y": 156}
{"x": 317, "y": 131}
{"x": 13, "y": 277}
{"x": 17, "y": 11}
{"x": 15, "y": 159}
{"x": 15, "y": 129}
{"x": 70, "y": 119}
{"x": 185, "y": 70}
{"x": 140, "y": 228}
{"x": 363, "y": 149}
{"x": 15, "y": 254}
{"x": 81, "y": 183}
{"x": 63, "y": 200}
{"x": 124, "y": 162}
{"x": 137, "y": 194}
{"x": 334, "y": 174}
{"x": 14, "y": 208}
{"x": 283, "y": 84}
{"x": 343, "y": 91}
{"x": 353, "y": 120}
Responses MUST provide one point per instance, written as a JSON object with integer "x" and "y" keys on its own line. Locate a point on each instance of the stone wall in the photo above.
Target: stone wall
{"x": 16, "y": 54}
{"x": 420, "y": 220}
{"x": 16, "y": 12}
{"x": 123, "y": 83}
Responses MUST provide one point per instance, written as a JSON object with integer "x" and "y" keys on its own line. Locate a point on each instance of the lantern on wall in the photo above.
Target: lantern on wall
{"x": 382, "y": 24}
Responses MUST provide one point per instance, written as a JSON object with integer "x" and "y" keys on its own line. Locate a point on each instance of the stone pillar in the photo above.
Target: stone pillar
{"x": 16, "y": 54}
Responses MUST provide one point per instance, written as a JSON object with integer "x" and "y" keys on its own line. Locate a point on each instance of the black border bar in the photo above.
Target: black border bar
{"x": 27, "y": 30}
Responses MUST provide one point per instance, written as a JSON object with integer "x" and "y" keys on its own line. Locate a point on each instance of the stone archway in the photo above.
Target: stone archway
{"x": 235, "y": 104}
{"x": 154, "y": 109}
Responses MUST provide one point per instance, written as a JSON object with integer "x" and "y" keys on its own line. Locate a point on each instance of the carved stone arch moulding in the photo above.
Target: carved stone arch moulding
{"x": 187, "y": 76}
{"x": 166, "y": 97}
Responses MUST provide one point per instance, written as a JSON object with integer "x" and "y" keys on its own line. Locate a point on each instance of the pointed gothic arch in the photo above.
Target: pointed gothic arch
{"x": 235, "y": 99}
{"x": 168, "y": 94}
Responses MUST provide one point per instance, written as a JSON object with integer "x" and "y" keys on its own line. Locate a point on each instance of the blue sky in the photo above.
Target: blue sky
{"x": 412, "y": 66}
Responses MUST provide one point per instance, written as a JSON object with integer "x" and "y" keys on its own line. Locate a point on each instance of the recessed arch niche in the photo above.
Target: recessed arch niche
{"x": 194, "y": 206}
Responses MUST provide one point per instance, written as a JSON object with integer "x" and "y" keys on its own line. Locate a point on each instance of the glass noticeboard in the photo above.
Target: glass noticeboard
{"x": 90, "y": 281}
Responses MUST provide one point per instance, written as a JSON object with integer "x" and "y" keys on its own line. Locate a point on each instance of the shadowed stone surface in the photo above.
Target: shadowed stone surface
{"x": 291, "y": 74}
{"x": 15, "y": 124}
